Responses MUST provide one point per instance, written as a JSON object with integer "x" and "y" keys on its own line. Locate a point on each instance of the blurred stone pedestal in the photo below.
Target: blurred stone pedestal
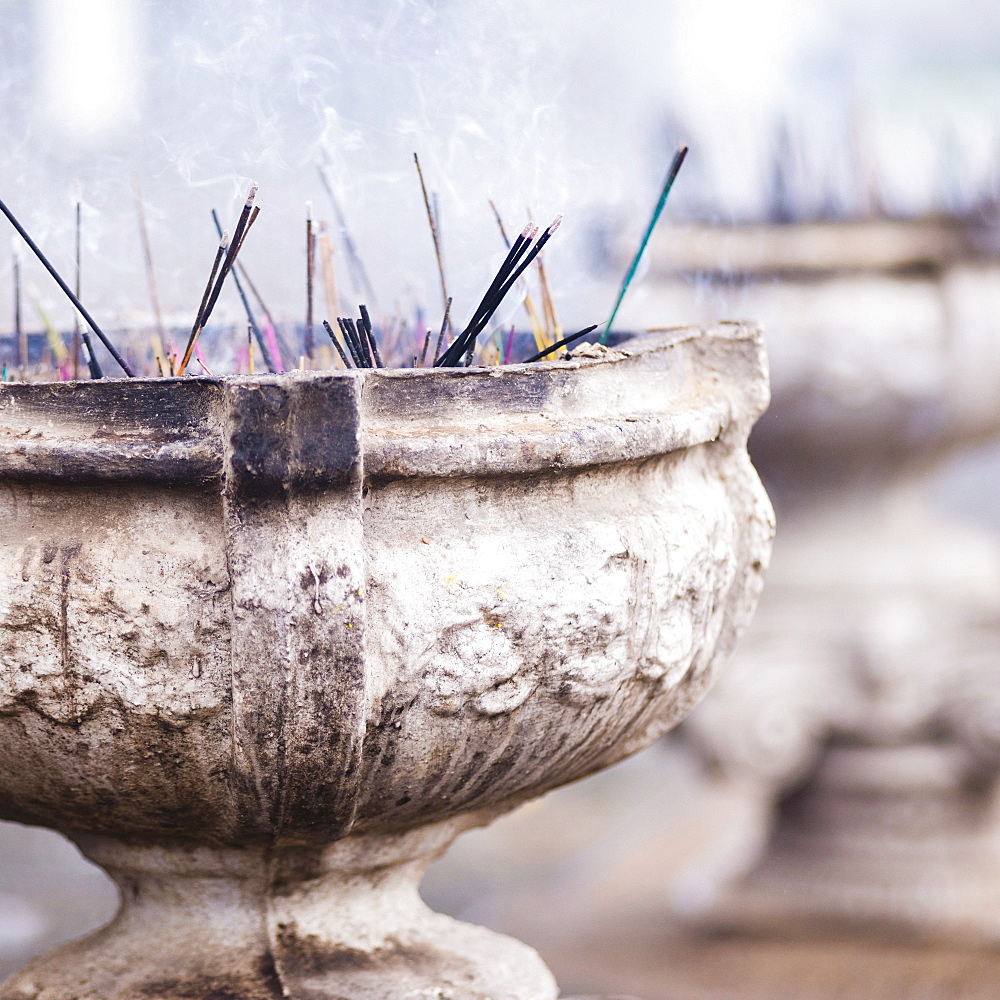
{"x": 875, "y": 665}
{"x": 662, "y": 962}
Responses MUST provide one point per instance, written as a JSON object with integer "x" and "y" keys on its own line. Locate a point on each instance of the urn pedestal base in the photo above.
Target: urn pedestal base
{"x": 345, "y": 921}
{"x": 896, "y": 840}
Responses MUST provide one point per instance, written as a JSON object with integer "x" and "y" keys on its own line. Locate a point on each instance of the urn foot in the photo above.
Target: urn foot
{"x": 345, "y": 921}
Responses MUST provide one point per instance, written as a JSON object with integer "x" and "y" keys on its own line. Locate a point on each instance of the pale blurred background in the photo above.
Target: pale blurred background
{"x": 874, "y": 122}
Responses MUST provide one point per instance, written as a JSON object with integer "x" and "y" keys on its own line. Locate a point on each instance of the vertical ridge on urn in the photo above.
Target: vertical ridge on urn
{"x": 292, "y": 509}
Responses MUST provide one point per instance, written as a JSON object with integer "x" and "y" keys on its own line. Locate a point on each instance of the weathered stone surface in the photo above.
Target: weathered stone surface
{"x": 267, "y": 644}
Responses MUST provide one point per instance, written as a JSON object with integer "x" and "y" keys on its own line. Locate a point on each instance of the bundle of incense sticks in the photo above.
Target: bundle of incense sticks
{"x": 354, "y": 343}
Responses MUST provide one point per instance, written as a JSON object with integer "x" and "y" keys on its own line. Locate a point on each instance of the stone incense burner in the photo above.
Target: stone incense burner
{"x": 268, "y": 644}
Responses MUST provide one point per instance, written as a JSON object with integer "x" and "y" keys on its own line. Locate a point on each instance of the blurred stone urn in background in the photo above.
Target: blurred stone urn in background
{"x": 862, "y": 712}
{"x": 269, "y": 644}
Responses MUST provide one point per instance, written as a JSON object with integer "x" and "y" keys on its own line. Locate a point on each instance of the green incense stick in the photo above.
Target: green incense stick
{"x": 675, "y": 167}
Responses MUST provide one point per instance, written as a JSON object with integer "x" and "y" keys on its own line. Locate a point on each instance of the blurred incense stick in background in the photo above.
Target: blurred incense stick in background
{"x": 309, "y": 336}
{"x": 433, "y": 223}
{"x": 147, "y": 253}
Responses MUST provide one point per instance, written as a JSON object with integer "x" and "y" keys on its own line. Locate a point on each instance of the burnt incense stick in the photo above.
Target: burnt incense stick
{"x": 245, "y": 221}
{"x": 675, "y": 167}
{"x": 360, "y": 341}
{"x": 561, "y": 343}
{"x": 432, "y": 222}
{"x": 147, "y": 253}
{"x": 356, "y": 266}
{"x": 309, "y": 338}
{"x": 352, "y": 345}
{"x": 123, "y": 364}
{"x": 336, "y": 343}
{"x": 241, "y": 225}
{"x": 366, "y": 322}
{"x": 265, "y": 353}
{"x": 246, "y": 229}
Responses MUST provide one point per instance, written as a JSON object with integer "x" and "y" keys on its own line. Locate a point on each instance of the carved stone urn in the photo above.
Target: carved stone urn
{"x": 863, "y": 709}
{"x": 268, "y": 644}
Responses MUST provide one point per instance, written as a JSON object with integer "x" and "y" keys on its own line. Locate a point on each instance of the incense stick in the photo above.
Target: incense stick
{"x": 336, "y": 343}
{"x": 329, "y": 275}
{"x": 352, "y": 346}
{"x": 354, "y": 262}
{"x": 196, "y": 327}
{"x": 366, "y": 322}
{"x": 361, "y": 342}
{"x": 309, "y": 338}
{"x": 123, "y": 364}
{"x": 147, "y": 252}
{"x": 675, "y": 167}
{"x": 432, "y": 221}
{"x": 561, "y": 343}
{"x": 265, "y": 352}
{"x": 427, "y": 338}
{"x": 459, "y": 345}
{"x": 247, "y": 218}
{"x": 493, "y": 301}
{"x": 19, "y": 332}
{"x": 76, "y": 288}
{"x": 529, "y": 305}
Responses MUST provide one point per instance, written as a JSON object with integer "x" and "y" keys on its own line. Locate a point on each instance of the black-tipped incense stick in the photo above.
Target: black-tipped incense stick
{"x": 524, "y": 263}
{"x": 432, "y": 222}
{"x": 459, "y": 345}
{"x": 465, "y": 344}
{"x": 69, "y": 292}
{"x": 675, "y": 167}
{"x": 258, "y": 334}
{"x": 336, "y": 343}
{"x": 561, "y": 343}
{"x": 366, "y": 322}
